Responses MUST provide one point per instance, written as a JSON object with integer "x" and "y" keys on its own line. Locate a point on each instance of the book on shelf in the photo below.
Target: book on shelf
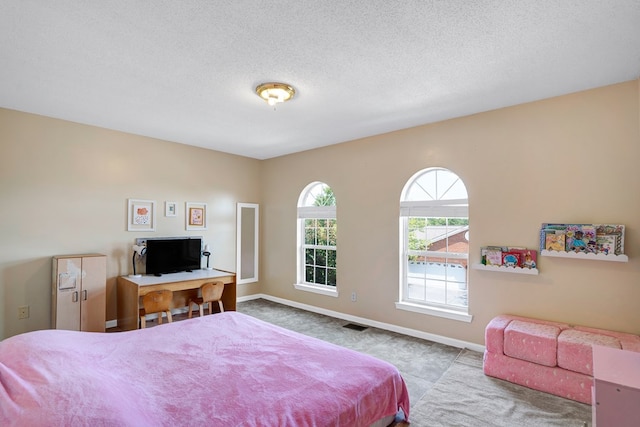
{"x": 528, "y": 258}
{"x": 554, "y": 241}
{"x": 606, "y": 244}
{"x": 580, "y": 238}
{"x": 492, "y": 255}
{"x": 614, "y": 231}
{"x": 509, "y": 256}
{"x": 511, "y": 259}
{"x": 585, "y": 238}
{"x": 552, "y": 229}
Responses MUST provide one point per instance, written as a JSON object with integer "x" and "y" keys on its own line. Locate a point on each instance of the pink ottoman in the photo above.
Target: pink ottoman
{"x": 533, "y": 342}
{"x": 548, "y": 356}
{"x": 575, "y": 349}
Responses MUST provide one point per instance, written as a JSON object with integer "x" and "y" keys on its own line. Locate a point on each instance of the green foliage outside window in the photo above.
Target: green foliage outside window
{"x": 326, "y": 198}
{"x": 320, "y": 266}
{"x": 320, "y": 241}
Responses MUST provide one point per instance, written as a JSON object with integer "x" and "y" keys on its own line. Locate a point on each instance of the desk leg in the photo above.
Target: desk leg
{"x": 229, "y": 296}
{"x": 128, "y": 301}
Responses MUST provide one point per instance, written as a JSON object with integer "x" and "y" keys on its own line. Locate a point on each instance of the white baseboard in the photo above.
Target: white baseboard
{"x": 373, "y": 323}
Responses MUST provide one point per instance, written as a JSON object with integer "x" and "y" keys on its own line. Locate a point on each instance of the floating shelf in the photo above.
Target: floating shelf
{"x": 505, "y": 269}
{"x": 587, "y": 256}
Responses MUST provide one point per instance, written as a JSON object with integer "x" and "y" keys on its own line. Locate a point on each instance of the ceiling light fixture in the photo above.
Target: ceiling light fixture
{"x": 274, "y": 93}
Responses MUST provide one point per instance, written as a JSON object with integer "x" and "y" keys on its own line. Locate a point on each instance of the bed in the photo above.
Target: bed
{"x": 227, "y": 369}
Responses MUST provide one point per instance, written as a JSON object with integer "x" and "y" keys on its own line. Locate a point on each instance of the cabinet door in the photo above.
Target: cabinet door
{"x": 616, "y": 405}
{"x": 93, "y": 309}
{"x": 68, "y": 275}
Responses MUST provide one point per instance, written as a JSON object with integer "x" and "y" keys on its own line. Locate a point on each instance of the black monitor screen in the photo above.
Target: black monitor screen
{"x": 173, "y": 255}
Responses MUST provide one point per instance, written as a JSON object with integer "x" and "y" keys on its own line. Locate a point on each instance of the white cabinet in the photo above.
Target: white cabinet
{"x": 78, "y": 293}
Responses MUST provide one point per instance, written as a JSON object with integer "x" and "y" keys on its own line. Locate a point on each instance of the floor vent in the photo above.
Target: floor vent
{"x": 355, "y": 327}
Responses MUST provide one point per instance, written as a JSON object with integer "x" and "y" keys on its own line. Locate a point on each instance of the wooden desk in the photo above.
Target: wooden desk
{"x": 184, "y": 285}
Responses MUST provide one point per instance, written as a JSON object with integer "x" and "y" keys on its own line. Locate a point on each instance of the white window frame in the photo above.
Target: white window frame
{"x": 304, "y": 213}
{"x": 443, "y": 208}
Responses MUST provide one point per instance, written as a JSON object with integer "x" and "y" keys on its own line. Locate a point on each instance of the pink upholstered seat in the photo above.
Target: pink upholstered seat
{"x": 533, "y": 342}
{"x": 575, "y": 351}
{"x": 548, "y": 356}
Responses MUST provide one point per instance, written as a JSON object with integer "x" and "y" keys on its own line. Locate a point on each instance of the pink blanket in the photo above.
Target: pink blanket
{"x": 226, "y": 369}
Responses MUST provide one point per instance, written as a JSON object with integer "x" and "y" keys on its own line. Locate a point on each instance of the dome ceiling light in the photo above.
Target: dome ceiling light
{"x": 275, "y": 93}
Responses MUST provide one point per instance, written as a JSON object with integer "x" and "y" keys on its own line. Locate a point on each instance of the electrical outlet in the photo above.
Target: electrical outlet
{"x": 141, "y": 241}
{"x": 23, "y": 312}
{"x": 354, "y": 297}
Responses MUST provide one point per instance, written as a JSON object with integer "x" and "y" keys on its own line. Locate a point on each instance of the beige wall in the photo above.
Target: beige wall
{"x": 568, "y": 159}
{"x": 64, "y": 190}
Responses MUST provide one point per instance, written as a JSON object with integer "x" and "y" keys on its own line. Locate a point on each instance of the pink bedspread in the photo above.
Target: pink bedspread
{"x": 227, "y": 369}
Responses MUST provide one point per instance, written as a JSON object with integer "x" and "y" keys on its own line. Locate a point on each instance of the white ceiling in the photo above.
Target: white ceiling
{"x": 185, "y": 71}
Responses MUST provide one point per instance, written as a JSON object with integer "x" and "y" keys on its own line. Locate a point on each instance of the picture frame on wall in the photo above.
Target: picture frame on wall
{"x": 170, "y": 209}
{"x": 196, "y": 216}
{"x": 141, "y": 215}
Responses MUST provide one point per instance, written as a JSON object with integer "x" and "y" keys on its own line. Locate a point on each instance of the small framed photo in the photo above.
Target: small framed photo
{"x": 170, "y": 209}
{"x": 196, "y": 214}
{"x": 141, "y": 215}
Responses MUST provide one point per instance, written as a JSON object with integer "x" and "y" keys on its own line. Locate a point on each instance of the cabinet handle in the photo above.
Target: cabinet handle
{"x": 75, "y": 297}
{"x": 84, "y": 295}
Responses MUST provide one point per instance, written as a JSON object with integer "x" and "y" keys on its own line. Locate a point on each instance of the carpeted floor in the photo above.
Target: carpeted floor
{"x": 446, "y": 384}
{"x": 464, "y": 396}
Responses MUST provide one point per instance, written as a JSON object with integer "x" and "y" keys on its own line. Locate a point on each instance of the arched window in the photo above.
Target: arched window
{"x": 317, "y": 239}
{"x": 434, "y": 230}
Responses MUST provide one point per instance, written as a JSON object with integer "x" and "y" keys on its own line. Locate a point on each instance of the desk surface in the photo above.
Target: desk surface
{"x": 148, "y": 280}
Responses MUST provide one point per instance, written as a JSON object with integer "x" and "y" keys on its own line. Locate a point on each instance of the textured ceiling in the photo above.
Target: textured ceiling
{"x": 185, "y": 71}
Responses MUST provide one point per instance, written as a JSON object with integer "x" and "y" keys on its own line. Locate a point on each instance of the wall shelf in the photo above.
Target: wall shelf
{"x": 505, "y": 269}
{"x": 588, "y": 256}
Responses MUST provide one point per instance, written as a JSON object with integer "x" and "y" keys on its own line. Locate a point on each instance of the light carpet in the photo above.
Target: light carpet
{"x": 464, "y": 396}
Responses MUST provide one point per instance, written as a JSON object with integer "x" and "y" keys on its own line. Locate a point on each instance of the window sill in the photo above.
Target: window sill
{"x": 322, "y": 290}
{"x": 432, "y": 311}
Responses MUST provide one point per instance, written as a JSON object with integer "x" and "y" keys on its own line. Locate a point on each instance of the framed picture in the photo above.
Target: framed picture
{"x": 141, "y": 215}
{"x": 196, "y": 214}
{"x": 170, "y": 209}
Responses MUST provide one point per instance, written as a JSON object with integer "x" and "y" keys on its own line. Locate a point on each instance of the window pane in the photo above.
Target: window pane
{"x": 322, "y": 236}
{"x": 331, "y": 259}
{"x": 321, "y": 276}
{"x": 331, "y": 276}
{"x": 309, "y": 236}
{"x": 332, "y": 233}
{"x": 321, "y": 257}
{"x": 308, "y": 274}
{"x": 438, "y": 280}
{"x": 309, "y": 256}
{"x": 416, "y": 281}
{"x": 437, "y": 184}
{"x": 319, "y": 194}
{"x": 417, "y": 234}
